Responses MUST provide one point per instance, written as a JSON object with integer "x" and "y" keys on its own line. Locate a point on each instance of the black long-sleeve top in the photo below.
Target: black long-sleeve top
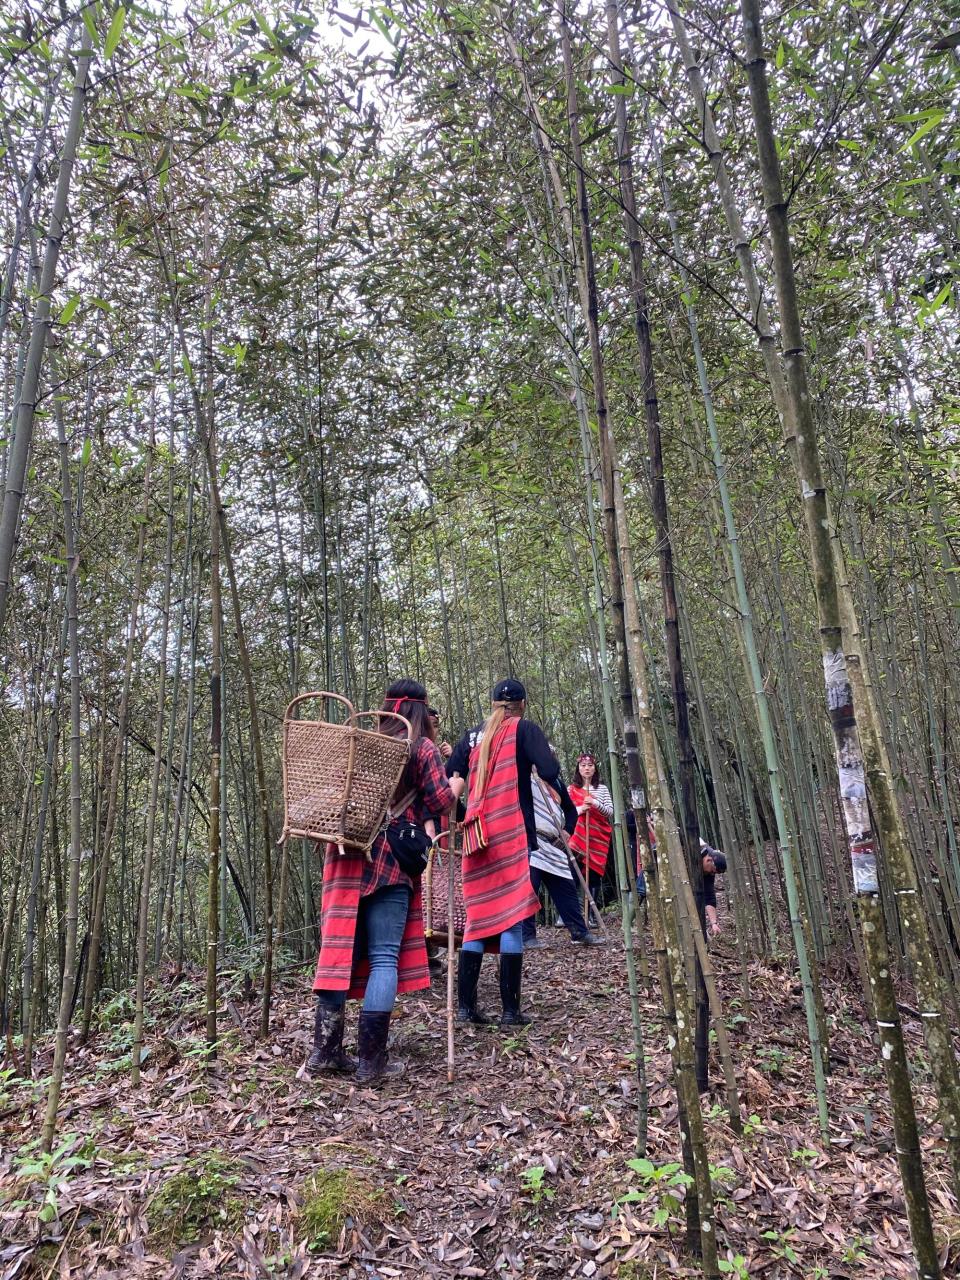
{"x": 710, "y": 880}
{"x": 533, "y": 752}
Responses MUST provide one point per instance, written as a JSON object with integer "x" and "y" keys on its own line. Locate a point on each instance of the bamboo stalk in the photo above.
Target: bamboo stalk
{"x": 802, "y": 430}
{"x": 19, "y": 453}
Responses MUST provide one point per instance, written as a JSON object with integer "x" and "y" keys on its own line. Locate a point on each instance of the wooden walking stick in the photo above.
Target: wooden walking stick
{"x": 578, "y": 877}
{"x": 587, "y": 895}
{"x": 451, "y": 884}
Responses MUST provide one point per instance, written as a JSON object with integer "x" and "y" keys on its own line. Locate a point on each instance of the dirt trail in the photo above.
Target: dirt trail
{"x": 514, "y": 1170}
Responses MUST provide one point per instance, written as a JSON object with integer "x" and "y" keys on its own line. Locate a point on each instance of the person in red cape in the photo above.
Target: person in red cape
{"x": 499, "y": 757}
{"x": 371, "y": 917}
{"x": 591, "y": 838}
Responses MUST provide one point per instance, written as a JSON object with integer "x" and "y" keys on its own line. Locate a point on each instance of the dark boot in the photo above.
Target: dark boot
{"x": 328, "y": 1054}
{"x": 372, "y": 1033}
{"x": 468, "y": 975}
{"x": 511, "y": 971}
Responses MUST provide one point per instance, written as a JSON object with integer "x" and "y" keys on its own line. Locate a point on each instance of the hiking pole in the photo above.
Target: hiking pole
{"x": 578, "y": 877}
{"x": 451, "y": 852}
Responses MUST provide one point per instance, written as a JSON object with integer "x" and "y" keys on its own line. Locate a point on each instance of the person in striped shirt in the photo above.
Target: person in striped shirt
{"x": 591, "y": 838}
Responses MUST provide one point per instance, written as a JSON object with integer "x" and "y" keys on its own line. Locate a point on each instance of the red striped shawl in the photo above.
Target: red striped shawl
{"x": 601, "y": 830}
{"x": 336, "y": 970}
{"x": 496, "y": 883}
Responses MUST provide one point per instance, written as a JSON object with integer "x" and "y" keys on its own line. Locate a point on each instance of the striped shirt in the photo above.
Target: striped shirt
{"x": 550, "y": 854}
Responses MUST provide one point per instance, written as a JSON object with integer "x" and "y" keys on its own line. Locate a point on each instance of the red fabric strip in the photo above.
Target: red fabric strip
{"x": 601, "y": 830}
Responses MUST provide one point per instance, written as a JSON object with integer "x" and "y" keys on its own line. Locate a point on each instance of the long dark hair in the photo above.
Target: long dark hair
{"x": 596, "y": 780}
{"x": 407, "y": 698}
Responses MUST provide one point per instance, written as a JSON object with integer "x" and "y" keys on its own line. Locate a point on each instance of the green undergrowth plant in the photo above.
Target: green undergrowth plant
{"x": 722, "y": 1178}
{"x": 772, "y": 1059}
{"x": 16, "y": 1091}
{"x": 48, "y": 1172}
{"x": 660, "y": 1183}
{"x": 853, "y": 1251}
{"x": 781, "y": 1244}
{"x": 117, "y": 1010}
{"x": 331, "y": 1198}
{"x": 534, "y": 1185}
{"x": 753, "y": 1126}
{"x": 199, "y": 1198}
{"x": 735, "y": 1266}
{"x": 804, "y": 1155}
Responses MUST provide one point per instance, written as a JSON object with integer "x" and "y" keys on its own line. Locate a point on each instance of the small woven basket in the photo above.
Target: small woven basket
{"x": 435, "y": 896}
{"x": 338, "y": 779}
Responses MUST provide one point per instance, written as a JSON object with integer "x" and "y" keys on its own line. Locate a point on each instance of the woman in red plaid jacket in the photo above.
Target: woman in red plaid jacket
{"x": 371, "y": 916}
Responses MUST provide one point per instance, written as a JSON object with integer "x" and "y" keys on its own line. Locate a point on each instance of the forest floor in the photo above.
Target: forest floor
{"x": 514, "y": 1170}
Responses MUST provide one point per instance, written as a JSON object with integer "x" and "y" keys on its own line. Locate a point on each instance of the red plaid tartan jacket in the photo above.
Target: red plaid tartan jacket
{"x": 433, "y": 798}
{"x": 348, "y": 878}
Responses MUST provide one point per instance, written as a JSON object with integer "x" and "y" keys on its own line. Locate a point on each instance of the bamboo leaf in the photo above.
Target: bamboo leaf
{"x": 264, "y": 25}
{"x": 933, "y": 119}
{"x": 66, "y": 314}
{"x": 90, "y": 24}
{"x": 115, "y": 32}
{"x": 381, "y": 26}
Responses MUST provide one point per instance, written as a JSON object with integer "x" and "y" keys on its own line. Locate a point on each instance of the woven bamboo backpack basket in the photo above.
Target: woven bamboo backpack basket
{"x": 436, "y": 896}
{"x": 338, "y": 779}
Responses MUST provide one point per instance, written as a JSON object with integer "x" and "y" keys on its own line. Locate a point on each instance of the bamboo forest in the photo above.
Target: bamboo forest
{"x": 559, "y": 393}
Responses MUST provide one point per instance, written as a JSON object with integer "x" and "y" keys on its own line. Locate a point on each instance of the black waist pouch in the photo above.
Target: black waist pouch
{"x": 408, "y": 843}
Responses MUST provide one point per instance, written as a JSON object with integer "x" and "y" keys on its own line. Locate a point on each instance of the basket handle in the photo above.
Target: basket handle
{"x": 395, "y": 715}
{"x": 320, "y": 693}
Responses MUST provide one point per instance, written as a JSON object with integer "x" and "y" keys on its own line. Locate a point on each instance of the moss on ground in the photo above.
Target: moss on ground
{"x": 200, "y": 1197}
{"x": 128, "y": 1161}
{"x": 330, "y": 1197}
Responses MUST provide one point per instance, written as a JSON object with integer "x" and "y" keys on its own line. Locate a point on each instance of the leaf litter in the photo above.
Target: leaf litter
{"x": 519, "y": 1168}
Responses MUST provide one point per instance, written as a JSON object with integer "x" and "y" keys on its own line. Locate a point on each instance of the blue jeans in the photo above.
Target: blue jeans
{"x": 381, "y": 919}
{"x": 565, "y": 898}
{"x": 511, "y": 942}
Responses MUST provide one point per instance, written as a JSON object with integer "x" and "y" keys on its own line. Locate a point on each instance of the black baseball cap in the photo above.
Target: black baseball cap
{"x": 508, "y": 691}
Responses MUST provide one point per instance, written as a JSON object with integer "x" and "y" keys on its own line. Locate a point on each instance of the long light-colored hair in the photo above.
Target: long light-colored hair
{"x": 501, "y": 711}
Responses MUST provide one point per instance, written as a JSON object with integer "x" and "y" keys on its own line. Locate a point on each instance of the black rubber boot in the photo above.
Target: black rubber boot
{"x": 511, "y": 972}
{"x": 372, "y": 1033}
{"x": 328, "y": 1054}
{"x": 468, "y": 975}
